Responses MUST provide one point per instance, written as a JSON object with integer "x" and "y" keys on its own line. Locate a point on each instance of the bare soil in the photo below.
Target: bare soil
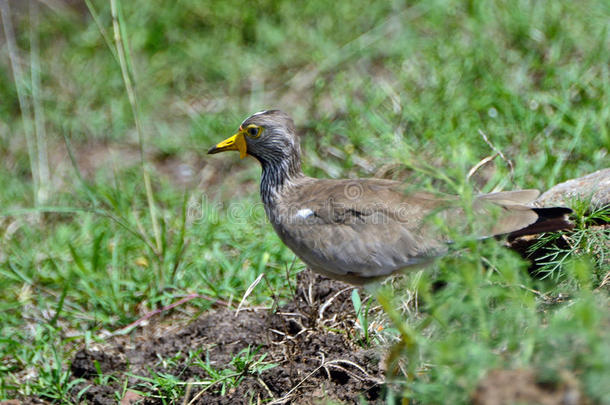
{"x": 315, "y": 358}
{"x": 507, "y": 387}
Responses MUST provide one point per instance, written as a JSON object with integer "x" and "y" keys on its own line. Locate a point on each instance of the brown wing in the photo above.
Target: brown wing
{"x": 360, "y": 227}
{"x": 504, "y": 212}
{"x": 371, "y": 228}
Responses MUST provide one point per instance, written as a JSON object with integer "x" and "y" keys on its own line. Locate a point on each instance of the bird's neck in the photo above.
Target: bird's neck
{"x": 278, "y": 174}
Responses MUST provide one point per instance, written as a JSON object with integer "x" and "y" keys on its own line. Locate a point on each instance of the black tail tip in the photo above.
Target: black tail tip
{"x": 552, "y": 212}
{"x": 551, "y": 219}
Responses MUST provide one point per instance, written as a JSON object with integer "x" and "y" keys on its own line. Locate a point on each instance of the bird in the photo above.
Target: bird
{"x": 363, "y": 230}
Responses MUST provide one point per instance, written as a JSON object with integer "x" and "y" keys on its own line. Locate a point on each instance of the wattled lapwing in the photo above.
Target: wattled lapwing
{"x": 360, "y": 230}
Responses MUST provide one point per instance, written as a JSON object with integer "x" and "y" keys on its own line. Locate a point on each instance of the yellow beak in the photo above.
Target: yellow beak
{"x": 236, "y": 142}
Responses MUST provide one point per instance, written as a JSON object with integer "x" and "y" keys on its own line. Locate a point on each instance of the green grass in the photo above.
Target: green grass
{"x": 380, "y": 83}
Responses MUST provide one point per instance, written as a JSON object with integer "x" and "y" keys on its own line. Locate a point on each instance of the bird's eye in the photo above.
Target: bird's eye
{"x": 254, "y": 132}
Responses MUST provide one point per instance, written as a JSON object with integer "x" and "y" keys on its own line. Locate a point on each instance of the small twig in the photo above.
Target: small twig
{"x": 334, "y": 363}
{"x": 330, "y": 300}
{"x": 481, "y": 163}
{"x": 261, "y": 382}
{"x": 287, "y": 336}
{"x": 251, "y": 288}
{"x": 309, "y": 296}
{"x": 324, "y": 365}
{"x": 291, "y": 314}
{"x": 499, "y": 152}
{"x": 289, "y": 393}
{"x": 535, "y": 292}
{"x": 187, "y": 394}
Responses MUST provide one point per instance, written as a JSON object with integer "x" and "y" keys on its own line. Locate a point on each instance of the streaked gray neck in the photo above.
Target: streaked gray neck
{"x": 278, "y": 172}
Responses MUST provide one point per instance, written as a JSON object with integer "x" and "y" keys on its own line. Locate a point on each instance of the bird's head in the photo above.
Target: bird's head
{"x": 268, "y": 136}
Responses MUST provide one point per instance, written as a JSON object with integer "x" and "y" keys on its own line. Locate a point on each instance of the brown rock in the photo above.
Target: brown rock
{"x": 594, "y": 186}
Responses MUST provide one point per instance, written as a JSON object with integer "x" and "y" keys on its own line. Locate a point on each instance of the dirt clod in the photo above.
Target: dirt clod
{"x": 507, "y": 387}
{"x": 87, "y": 364}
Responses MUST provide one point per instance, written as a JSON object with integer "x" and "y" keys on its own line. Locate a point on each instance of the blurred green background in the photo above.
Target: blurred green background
{"x": 396, "y": 88}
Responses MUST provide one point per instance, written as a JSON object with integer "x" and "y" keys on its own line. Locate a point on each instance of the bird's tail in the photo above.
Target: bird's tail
{"x": 549, "y": 220}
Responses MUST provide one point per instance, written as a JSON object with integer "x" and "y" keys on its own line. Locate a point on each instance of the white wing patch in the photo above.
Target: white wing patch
{"x": 304, "y": 213}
